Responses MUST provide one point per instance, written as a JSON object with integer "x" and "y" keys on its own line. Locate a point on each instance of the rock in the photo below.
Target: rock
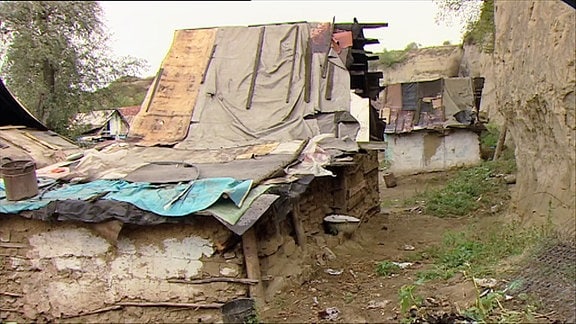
{"x": 229, "y": 255}
{"x": 228, "y": 271}
{"x": 510, "y": 179}
{"x": 377, "y": 304}
{"x": 289, "y": 247}
{"x": 327, "y": 254}
{"x": 485, "y": 282}
{"x": 408, "y": 247}
{"x": 330, "y": 313}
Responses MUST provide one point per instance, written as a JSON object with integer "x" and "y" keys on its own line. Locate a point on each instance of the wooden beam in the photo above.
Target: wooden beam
{"x": 154, "y": 88}
{"x": 298, "y": 227}
{"x": 501, "y": 141}
{"x": 166, "y": 304}
{"x": 208, "y": 64}
{"x": 209, "y": 280}
{"x": 329, "y": 82}
{"x": 326, "y": 56}
{"x": 256, "y": 66}
{"x": 41, "y": 142}
{"x": 307, "y": 71}
{"x": 250, "y": 249}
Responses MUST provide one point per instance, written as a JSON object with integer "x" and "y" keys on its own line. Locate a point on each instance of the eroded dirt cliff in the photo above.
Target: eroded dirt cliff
{"x": 535, "y": 83}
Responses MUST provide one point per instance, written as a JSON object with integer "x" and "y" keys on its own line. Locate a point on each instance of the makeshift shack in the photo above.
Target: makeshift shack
{"x": 244, "y": 143}
{"x": 101, "y": 125}
{"x": 431, "y": 125}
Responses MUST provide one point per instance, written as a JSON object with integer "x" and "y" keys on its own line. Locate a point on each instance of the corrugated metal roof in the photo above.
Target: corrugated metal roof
{"x": 129, "y": 112}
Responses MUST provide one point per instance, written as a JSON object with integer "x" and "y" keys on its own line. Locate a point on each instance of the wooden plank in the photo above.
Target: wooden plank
{"x": 329, "y": 82}
{"x": 298, "y": 227}
{"x": 307, "y": 71}
{"x": 220, "y": 279}
{"x": 208, "y": 64}
{"x": 169, "y": 104}
{"x": 250, "y": 249}
{"x": 256, "y": 66}
{"x": 165, "y": 304}
{"x": 501, "y": 140}
{"x": 11, "y": 127}
{"x": 154, "y": 88}
{"x": 325, "y": 64}
{"x": 41, "y": 142}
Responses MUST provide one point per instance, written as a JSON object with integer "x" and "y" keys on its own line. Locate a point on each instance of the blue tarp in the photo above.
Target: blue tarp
{"x": 196, "y": 195}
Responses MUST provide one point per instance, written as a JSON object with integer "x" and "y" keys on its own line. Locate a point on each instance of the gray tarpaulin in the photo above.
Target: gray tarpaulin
{"x": 223, "y": 115}
{"x": 409, "y": 96}
{"x": 338, "y": 76}
{"x": 457, "y": 96}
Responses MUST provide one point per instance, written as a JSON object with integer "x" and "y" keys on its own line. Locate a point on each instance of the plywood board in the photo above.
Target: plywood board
{"x": 168, "y": 106}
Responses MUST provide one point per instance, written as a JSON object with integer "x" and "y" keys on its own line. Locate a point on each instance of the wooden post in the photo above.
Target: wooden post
{"x": 298, "y": 228}
{"x": 250, "y": 248}
{"x": 501, "y": 140}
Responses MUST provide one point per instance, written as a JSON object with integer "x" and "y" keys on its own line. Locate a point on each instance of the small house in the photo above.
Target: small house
{"x": 431, "y": 125}
{"x": 101, "y": 125}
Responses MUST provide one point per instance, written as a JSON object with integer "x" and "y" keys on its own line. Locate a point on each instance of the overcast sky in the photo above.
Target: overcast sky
{"x": 144, "y": 29}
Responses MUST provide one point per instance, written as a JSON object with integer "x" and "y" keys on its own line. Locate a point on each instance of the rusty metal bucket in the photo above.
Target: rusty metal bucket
{"x": 20, "y": 180}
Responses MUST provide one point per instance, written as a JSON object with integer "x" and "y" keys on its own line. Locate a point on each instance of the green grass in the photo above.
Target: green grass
{"x": 389, "y": 58}
{"x": 472, "y": 189}
{"x": 489, "y": 137}
{"x": 386, "y": 268}
{"x": 477, "y": 251}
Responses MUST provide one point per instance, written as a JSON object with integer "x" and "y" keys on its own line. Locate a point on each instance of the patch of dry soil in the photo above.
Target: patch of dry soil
{"x": 358, "y": 292}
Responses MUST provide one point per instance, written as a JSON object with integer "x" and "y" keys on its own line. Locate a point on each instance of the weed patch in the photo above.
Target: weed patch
{"x": 386, "y": 268}
{"x": 477, "y": 251}
{"x": 472, "y": 189}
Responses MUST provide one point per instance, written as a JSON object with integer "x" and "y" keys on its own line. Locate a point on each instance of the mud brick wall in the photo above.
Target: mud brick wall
{"x": 353, "y": 192}
{"x": 59, "y": 270}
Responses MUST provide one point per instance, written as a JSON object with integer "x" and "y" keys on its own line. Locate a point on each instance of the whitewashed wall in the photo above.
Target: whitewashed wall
{"x": 430, "y": 151}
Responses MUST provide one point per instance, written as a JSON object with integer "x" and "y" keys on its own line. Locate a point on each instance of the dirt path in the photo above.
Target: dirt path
{"x": 354, "y": 287}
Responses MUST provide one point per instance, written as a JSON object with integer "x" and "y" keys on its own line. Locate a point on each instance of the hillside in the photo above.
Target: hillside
{"x": 126, "y": 91}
